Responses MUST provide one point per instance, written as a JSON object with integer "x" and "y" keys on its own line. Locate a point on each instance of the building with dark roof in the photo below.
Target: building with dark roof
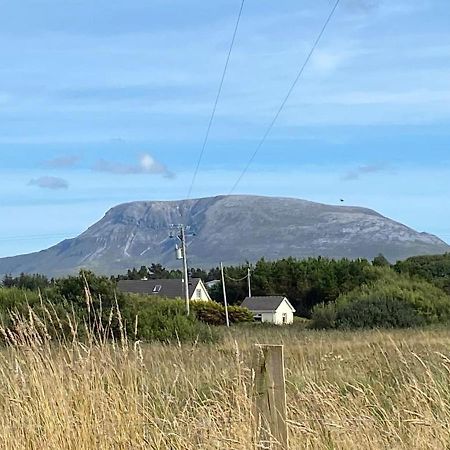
{"x": 271, "y": 309}
{"x": 165, "y": 288}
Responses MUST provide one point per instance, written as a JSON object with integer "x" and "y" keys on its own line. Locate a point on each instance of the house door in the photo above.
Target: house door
{"x": 284, "y": 319}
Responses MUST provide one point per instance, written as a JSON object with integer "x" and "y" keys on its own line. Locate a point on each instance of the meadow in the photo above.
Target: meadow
{"x": 345, "y": 390}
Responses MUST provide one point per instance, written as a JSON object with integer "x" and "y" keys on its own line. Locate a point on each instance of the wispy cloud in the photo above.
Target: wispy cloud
{"x": 360, "y": 171}
{"x": 62, "y": 162}
{"x": 52, "y": 183}
{"x": 145, "y": 165}
{"x": 361, "y": 4}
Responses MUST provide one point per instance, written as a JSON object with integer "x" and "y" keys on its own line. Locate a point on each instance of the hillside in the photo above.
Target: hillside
{"x": 233, "y": 229}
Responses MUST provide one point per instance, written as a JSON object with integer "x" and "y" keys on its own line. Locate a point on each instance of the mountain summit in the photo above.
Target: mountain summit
{"x": 233, "y": 229}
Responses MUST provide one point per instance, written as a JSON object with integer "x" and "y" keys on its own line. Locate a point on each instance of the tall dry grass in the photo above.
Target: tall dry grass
{"x": 365, "y": 390}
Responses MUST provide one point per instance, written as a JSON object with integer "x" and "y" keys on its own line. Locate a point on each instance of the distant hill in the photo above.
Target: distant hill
{"x": 233, "y": 229}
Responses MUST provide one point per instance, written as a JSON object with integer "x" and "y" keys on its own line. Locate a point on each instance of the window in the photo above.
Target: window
{"x": 257, "y": 317}
{"x": 199, "y": 293}
{"x": 157, "y": 289}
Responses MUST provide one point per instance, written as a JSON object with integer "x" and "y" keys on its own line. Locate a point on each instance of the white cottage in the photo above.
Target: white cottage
{"x": 166, "y": 288}
{"x": 271, "y": 309}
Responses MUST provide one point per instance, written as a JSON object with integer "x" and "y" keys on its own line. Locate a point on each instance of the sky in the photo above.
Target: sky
{"x": 105, "y": 102}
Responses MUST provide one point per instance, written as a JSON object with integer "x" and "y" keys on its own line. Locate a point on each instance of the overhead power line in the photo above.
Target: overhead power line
{"x": 286, "y": 98}
{"x": 236, "y": 280}
{"x": 213, "y": 113}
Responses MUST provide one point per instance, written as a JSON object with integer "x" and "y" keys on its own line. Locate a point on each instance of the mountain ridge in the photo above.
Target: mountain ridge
{"x": 233, "y": 229}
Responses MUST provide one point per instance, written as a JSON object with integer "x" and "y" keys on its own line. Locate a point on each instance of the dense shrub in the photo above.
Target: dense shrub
{"x": 323, "y": 316}
{"x": 98, "y": 290}
{"x": 98, "y": 316}
{"x": 45, "y": 312}
{"x": 392, "y": 301}
{"x": 151, "y": 318}
{"x": 26, "y": 281}
{"x": 434, "y": 268}
{"x": 238, "y": 314}
{"x": 378, "y": 312}
{"x": 213, "y": 313}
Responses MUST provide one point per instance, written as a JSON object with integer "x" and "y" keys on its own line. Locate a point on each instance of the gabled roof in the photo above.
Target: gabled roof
{"x": 269, "y": 303}
{"x": 158, "y": 288}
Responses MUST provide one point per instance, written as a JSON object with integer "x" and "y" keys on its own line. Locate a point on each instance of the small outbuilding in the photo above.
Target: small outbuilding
{"x": 272, "y": 309}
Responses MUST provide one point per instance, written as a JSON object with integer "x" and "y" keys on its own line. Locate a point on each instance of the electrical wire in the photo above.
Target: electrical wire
{"x": 286, "y": 98}
{"x": 237, "y": 281}
{"x": 213, "y": 113}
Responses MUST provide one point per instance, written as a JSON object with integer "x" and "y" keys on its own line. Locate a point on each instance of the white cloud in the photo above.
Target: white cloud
{"x": 62, "y": 162}
{"x": 325, "y": 61}
{"x": 145, "y": 165}
{"x": 52, "y": 183}
{"x": 356, "y": 174}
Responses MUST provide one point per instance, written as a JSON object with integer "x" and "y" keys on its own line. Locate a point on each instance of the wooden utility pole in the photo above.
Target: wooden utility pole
{"x": 270, "y": 398}
{"x": 227, "y": 317}
{"x": 185, "y": 270}
{"x": 181, "y": 253}
{"x": 249, "y": 279}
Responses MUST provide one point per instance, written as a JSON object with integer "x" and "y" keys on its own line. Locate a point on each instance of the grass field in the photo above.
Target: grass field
{"x": 362, "y": 390}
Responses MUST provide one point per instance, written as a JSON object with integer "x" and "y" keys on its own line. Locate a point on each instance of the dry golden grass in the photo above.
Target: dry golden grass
{"x": 365, "y": 390}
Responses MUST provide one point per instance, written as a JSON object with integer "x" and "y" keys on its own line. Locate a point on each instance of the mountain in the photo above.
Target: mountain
{"x": 233, "y": 229}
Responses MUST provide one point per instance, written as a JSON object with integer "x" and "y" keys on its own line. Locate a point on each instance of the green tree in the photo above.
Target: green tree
{"x": 434, "y": 268}
{"x": 381, "y": 261}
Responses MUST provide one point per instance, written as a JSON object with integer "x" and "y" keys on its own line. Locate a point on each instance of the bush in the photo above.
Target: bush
{"x": 392, "y": 301}
{"x": 238, "y": 314}
{"x": 434, "y": 269}
{"x": 55, "y": 316}
{"x": 163, "y": 320}
{"x": 46, "y": 313}
{"x": 375, "y": 312}
{"x": 213, "y": 313}
{"x": 323, "y": 316}
{"x": 101, "y": 290}
{"x": 430, "y": 302}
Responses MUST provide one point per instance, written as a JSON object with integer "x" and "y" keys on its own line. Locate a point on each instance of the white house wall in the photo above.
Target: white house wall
{"x": 284, "y": 308}
{"x": 204, "y": 297}
{"x": 268, "y": 317}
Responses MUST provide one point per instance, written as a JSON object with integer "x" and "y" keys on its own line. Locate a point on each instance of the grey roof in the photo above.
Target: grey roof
{"x": 269, "y": 303}
{"x": 169, "y": 288}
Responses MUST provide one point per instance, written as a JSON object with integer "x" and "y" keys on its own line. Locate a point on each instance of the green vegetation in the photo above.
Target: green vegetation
{"x": 165, "y": 320}
{"x": 90, "y": 304}
{"x": 214, "y": 313}
{"x": 435, "y": 269}
{"x": 333, "y": 293}
{"x": 157, "y": 271}
{"x": 305, "y": 282}
{"x": 393, "y": 301}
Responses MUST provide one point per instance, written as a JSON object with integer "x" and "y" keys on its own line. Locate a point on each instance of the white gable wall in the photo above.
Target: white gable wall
{"x": 200, "y": 293}
{"x": 284, "y": 310}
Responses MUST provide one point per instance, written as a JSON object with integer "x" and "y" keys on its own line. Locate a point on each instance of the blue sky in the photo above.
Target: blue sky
{"x": 103, "y": 102}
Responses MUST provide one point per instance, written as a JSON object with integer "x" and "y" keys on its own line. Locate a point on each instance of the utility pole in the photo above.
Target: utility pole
{"x": 185, "y": 269}
{"x": 181, "y": 253}
{"x": 249, "y": 279}
{"x": 225, "y": 295}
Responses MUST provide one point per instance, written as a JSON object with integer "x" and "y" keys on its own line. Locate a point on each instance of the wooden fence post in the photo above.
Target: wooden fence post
{"x": 270, "y": 398}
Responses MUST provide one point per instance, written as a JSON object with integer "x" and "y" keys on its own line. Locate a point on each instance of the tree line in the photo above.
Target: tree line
{"x": 306, "y": 283}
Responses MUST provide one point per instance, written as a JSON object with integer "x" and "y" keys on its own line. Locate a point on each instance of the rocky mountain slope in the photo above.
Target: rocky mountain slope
{"x": 233, "y": 229}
